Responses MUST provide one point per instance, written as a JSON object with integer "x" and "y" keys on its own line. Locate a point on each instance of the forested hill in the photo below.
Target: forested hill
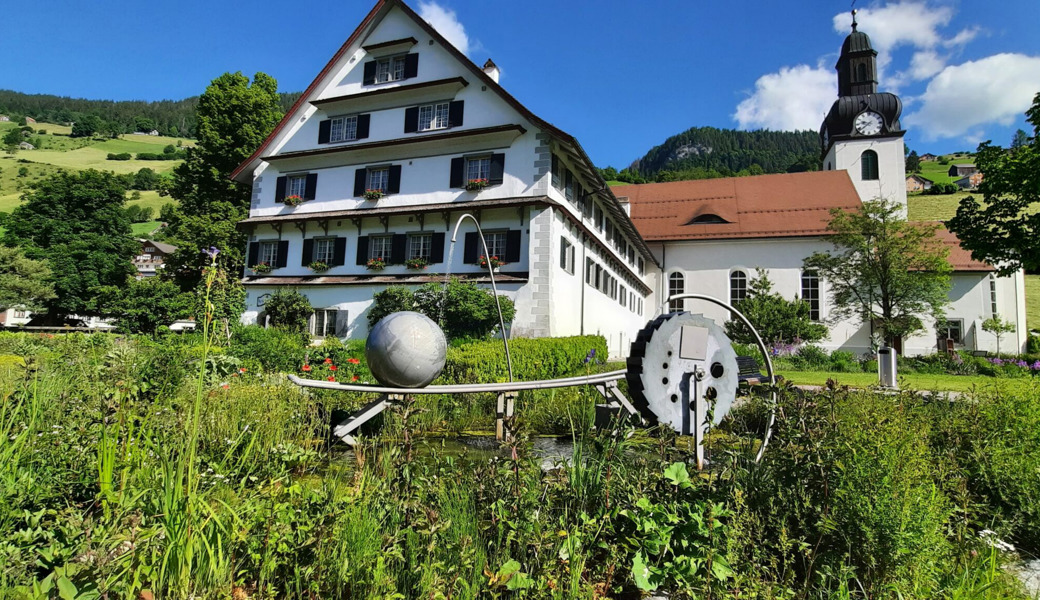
{"x": 175, "y": 118}
{"x": 705, "y": 152}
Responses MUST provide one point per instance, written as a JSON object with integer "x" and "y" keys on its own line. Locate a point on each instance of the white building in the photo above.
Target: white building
{"x": 398, "y": 109}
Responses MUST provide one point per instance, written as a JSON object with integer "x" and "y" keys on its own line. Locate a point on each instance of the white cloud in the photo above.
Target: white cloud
{"x": 902, "y": 23}
{"x": 795, "y": 98}
{"x": 446, "y": 23}
{"x": 962, "y": 98}
{"x": 925, "y": 64}
{"x": 962, "y": 38}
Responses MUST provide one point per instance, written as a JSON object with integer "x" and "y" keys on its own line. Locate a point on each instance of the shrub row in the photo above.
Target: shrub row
{"x": 533, "y": 358}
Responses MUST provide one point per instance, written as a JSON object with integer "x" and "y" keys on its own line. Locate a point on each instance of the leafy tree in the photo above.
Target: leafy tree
{"x": 1020, "y": 139}
{"x": 998, "y": 327}
{"x": 77, "y": 222}
{"x": 288, "y": 309}
{"x": 913, "y": 162}
{"x": 143, "y": 124}
{"x": 233, "y": 117}
{"x": 145, "y": 179}
{"x": 142, "y": 306}
{"x": 395, "y": 298}
{"x": 86, "y": 126}
{"x": 777, "y": 319}
{"x": 13, "y": 137}
{"x": 24, "y": 282}
{"x": 463, "y": 309}
{"x": 884, "y": 270}
{"x": 1004, "y": 228}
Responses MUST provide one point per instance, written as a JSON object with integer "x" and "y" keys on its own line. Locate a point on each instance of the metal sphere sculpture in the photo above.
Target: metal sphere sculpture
{"x": 406, "y": 350}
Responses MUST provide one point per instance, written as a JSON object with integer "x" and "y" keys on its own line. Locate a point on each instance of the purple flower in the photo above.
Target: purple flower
{"x": 1022, "y": 364}
{"x": 212, "y": 252}
{"x": 591, "y": 355}
{"x": 1036, "y": 366}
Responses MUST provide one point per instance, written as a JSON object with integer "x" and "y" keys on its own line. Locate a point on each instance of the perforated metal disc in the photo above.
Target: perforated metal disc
{"x": 669, "y": 347}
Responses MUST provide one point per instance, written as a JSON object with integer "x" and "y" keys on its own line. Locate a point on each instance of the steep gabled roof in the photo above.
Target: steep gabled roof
{"x": 959, "y": 258}
{"x": 764, "y": 206}
{"x": 567, "y": 143}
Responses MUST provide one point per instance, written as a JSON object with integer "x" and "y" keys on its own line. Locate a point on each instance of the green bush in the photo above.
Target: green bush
{"x": 842, "y": 361}
{"x": 777, "y": 319}
{"x": 288, "y": 309}
{"x": 395, "y": 298}
{"x": 1033, "y": 343}
{"x": 810, "y": 358}
{"x": 463, "y": 310}
{"x": 269, "y": 348}
{"x": 120, "y": 156}
{"x": 533, "y": 358}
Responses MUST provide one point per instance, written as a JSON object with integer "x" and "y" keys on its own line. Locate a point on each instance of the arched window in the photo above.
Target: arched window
{"x": 811, "y": 293}
{"x": 737, "y": 287}
{"x": 676, "y": 285}
{"x": 861, "y": 73}
{"x": 868, "y": 165}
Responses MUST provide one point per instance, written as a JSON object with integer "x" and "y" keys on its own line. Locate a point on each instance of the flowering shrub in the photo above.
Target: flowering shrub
{"x": 375, "y": 264}
{"x": 476, "y": 184}
{"x": 373, "y": 194}
{"x": 494, "y": 261}
{"x": 326, "y": 369}
{"x": 416, "y": 263}
{"x": 318, "y": 266}
{"x": 292, "y": 200}
{"x": 261, "y": 268}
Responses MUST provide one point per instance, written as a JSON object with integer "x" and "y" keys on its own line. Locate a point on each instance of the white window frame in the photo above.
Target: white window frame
{"x": 676, "y": 285}
{"x": 958, "y": 325}
{"x": 268, "y": 253}
{"x": 737, "y": 292}
{"x": 390, "y": 68}
{"x": 324, "y": 249}
{"x": 377, "y": 178}
{"x": 434, "y": 116}
{"x": 296, "y": 185}
{"x": 496, "y": 243}
{"x": 343, "y": 129}
{"x": 420, "y": 245}
{"x": 323, "y": 322}
{"x": 993, "y": 295}
{"x": 814, "y": 300}
{"x": 566, "y": 256}
{"x": 478, "y": 167}
{"x": 380, "y": 246}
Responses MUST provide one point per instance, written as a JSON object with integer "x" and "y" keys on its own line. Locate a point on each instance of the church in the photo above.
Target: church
{"x": 400, "y": 136}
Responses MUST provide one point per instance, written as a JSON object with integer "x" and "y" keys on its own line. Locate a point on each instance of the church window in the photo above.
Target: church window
{"x": 811, "y": 293}
{"x": 868, "y": 166}
{"x": 861, "y": 72}
{"x": 676, "y": 285}
{"x": 737, "y": 287}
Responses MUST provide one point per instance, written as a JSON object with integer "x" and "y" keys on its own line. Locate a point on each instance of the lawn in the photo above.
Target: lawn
{"x": 917, "y": 381}
{"x": 144, "y": 229}
{"x": 921, "y": 207}
{"x": 96, "y": 157}
{"x": 939, "y": 173}
{"x": 1033, "y": 301}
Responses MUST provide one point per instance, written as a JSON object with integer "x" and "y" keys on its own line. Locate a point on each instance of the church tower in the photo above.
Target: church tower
{"x": 861, "y": 133}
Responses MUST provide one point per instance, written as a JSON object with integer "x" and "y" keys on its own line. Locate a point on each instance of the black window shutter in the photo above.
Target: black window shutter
{"x": 498, "y": 166}
{"x": 324, "y": 131}
{"x": 339, "y": 252}
{"x": 472, "y": 249}
{"x": 398, "y": 245}
{"x": 457, "y": 167}
{"x": 283, "y": 253}
{"x": 254, "y": 253}
{"x": 279, "y": 189}
{"x": 308, "y": 252}
{"x": 513, "y": 245}
{"x": 362, "y": 250}
{"x": 455, "y": 113}
{"x": 411, "y": 119}
{"x": 370, "y": 72}
{"x": 359, "y": 182}
{"x": 311, "y": 187}
{"x": 393, "y": 181}
{"x": 362, "y": 126}
{"x": 555, "y": 172}
{"x": 437, "y": 248}
{"x": 411, "y": 65}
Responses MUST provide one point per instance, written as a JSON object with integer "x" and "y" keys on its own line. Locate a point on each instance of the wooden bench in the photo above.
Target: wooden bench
{"x": 749, "y": 371}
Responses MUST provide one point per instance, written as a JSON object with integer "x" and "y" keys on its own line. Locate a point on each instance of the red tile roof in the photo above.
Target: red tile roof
{"x": 765, "y": 206}
{"x": 959, "y": 258}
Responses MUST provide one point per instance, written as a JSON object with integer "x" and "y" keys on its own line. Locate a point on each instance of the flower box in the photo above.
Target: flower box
{"x": 261, "y": 268}
{"x": 375, "y": 264}
{"x": 494, "y": 261}
{"x": 318, "y": 266}
{"x": 293, "y": 200}
{"x": 374, "y": 194}
{"x": 475, "y": 185}
{"x": 416, "y": 264}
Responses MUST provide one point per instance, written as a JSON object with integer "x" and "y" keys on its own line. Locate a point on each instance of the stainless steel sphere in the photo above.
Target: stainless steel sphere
{"x": 406, "y": 349}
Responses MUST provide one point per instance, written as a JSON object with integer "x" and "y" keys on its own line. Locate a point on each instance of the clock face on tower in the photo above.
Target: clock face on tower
{"x": 868, "y": 123}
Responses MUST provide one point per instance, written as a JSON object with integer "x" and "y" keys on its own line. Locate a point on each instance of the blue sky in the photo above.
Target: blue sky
{"x": 620, "y": 76}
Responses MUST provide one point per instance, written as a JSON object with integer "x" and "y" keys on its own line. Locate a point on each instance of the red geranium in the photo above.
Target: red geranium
{"x": 331, "y": 378}
{"x": 354, "y": 378}
{"x": 305, "y": 368}
{"x": 353, "y": 361}
{"x": 328, "y": 361}
{"x": 332, "y": 367}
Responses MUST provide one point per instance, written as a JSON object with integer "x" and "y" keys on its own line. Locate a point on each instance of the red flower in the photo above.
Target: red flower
{"x": 353, "y": 361}
{"x": 305, "y": 368}
{"x": 354, "y": 378}
{"x": 242, "y": 370}
{"x": 328, "y": 361}
{"x": 225, "y": 386}
{"x": 332, "y": 367}
{"x": 331, "y": 378}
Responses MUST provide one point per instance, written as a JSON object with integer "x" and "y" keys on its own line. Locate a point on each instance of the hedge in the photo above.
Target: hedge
{"x": 533, "y": 358}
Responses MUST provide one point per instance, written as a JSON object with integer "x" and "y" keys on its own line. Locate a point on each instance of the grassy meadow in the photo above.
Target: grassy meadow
{"x": 1033, "y": 301}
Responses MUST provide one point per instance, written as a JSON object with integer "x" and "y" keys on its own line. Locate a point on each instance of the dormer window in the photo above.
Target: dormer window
{"x": 433, "y": 116}
{"x": 707, "y": 218}
{"x": 343, "y": 129}
{"x": 390, "y": 68}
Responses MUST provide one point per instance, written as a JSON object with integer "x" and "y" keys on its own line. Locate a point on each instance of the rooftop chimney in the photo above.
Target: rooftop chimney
{"x": 492, "y": 70}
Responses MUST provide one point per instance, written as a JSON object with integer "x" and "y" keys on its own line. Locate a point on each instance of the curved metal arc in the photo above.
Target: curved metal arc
{"x": 762, "y": 348}
{"x": 494, "y": 288}
{"x": 465, "y": 387}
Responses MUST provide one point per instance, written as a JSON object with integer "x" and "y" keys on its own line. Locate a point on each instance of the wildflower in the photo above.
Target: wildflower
{"x": 332, "y": 367}
{"x": 331, "y": 378}
{"x": 1036, "y": 366}
{"x": 328, "y": 361}
{"x": 1022, "y": 363}
{"x": 355, "y": 378}
{"x": 355, "y": 361}
{"x": 212, "y": 252}
{"x": 588, "y": 357}
{"x": 305, "y": 368}
{"x": 242, "y": 370}
{"x": 225, "y": 385}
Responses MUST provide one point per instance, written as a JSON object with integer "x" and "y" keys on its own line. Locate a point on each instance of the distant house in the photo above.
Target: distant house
{"x": 30, "y": 121}
{"x": 962, "y": 170}
{"x": 969, "y": 182}
{"x": 929, "y": 157}
{"x": 153, "y": 132}
{"x": 4, "y": 118}
{"x": 14, "y": 317}
{"x": 152, "y": 257}
{"x": 916, "y": 183}
{"x": 26, "y": 146}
